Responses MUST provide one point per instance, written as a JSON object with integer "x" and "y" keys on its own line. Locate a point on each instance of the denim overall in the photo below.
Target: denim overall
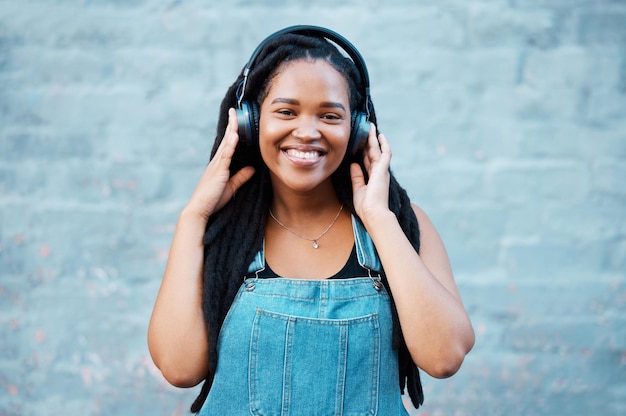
{"x": 308, "y": 347}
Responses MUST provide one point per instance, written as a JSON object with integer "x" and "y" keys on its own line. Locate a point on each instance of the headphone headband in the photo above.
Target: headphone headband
{"x": 308, "y": 30}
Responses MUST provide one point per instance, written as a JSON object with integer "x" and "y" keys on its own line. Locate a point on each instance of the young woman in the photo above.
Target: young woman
{"x": 301, "y": 279}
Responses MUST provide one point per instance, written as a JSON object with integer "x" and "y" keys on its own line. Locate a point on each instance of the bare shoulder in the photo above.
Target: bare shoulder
{"x": 419, "y": 212}
{"x": 427, "y": 228}
{"x": 433, "y": 251}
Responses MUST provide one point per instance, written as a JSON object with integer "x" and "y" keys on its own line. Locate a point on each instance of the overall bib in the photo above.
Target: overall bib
{"x": 308, "y": 347}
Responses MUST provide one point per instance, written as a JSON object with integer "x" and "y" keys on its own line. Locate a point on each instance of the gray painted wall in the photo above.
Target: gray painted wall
{"x": 508, "y": 124}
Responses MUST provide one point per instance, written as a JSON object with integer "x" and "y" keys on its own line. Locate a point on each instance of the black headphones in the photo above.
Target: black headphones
{"x": 248, "y": 111}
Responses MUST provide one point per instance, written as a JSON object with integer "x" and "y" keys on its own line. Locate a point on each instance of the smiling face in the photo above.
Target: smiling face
{"x": 304, "y": 125}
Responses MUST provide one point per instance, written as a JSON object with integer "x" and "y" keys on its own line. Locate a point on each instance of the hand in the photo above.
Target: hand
{"x": 372, "y": 198}
{"x": 216, "y": 186}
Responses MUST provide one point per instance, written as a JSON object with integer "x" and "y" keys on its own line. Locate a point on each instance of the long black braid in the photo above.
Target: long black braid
{"x": 235, "y": 233}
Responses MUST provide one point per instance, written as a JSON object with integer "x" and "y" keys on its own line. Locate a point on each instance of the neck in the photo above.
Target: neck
{"x": 295, "y": 207}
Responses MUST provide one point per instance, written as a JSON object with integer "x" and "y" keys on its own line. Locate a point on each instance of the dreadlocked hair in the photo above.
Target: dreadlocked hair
{"x": 235, "y": 234}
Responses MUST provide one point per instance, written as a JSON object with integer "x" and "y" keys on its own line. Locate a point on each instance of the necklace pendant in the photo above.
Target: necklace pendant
{"x": 314, "y": 240}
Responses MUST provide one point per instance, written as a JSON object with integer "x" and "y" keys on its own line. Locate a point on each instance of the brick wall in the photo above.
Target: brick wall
{"x": 508, "y": 125}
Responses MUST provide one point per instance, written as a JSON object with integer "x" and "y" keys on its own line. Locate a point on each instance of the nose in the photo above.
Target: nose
{"x": 307, "y": 129}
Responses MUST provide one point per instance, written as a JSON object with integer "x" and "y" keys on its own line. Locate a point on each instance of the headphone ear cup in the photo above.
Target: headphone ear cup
{"x": 254, "y": 122}
{"x": 244, "y": 129}
{"x": 359, "y": 133}
{"x": 248, "y": 123}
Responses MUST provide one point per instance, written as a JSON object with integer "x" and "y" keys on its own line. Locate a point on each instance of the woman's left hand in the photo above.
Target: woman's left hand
{"x": 372, "y": 198}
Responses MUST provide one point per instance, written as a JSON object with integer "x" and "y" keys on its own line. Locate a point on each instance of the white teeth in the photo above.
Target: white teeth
{"x": 302, "y": 155}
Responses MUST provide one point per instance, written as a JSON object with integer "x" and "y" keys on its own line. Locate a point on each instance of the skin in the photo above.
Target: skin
{"x": 304, "y": 129}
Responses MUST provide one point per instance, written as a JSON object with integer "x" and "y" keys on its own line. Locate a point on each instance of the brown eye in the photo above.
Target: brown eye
{"x": 285, "y": 112}
{"x": 332, "y": 117}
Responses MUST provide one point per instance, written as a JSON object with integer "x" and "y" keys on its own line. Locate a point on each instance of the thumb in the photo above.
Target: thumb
{"x": 239, "y": 178}
{"x": 356, "y": 174}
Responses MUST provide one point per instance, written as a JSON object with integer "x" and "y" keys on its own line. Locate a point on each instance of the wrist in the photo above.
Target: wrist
{"x": 193, "y": 216}
{"x": 378, "y": 219}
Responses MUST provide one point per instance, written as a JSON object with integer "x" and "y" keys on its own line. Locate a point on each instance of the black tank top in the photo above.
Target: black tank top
{"x": 352, "y": 268}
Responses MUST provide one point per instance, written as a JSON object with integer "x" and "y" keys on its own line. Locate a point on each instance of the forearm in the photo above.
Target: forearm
{"x": 177, "y": 335}
{"x": 436, "y": 328}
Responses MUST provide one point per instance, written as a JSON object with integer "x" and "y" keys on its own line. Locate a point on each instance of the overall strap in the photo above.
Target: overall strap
{"x": 258, "y": 263}
{"x": 365, "y": 250}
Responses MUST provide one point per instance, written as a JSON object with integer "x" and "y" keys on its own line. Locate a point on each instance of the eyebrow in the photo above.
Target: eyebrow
{"x": 325, "y": 104}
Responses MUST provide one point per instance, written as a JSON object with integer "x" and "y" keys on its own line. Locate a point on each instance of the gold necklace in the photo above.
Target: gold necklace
{"x": 314, "y": 240}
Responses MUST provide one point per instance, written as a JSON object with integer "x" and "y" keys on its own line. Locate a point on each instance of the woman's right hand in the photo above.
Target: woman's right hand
{"x": 216, "y": 186}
